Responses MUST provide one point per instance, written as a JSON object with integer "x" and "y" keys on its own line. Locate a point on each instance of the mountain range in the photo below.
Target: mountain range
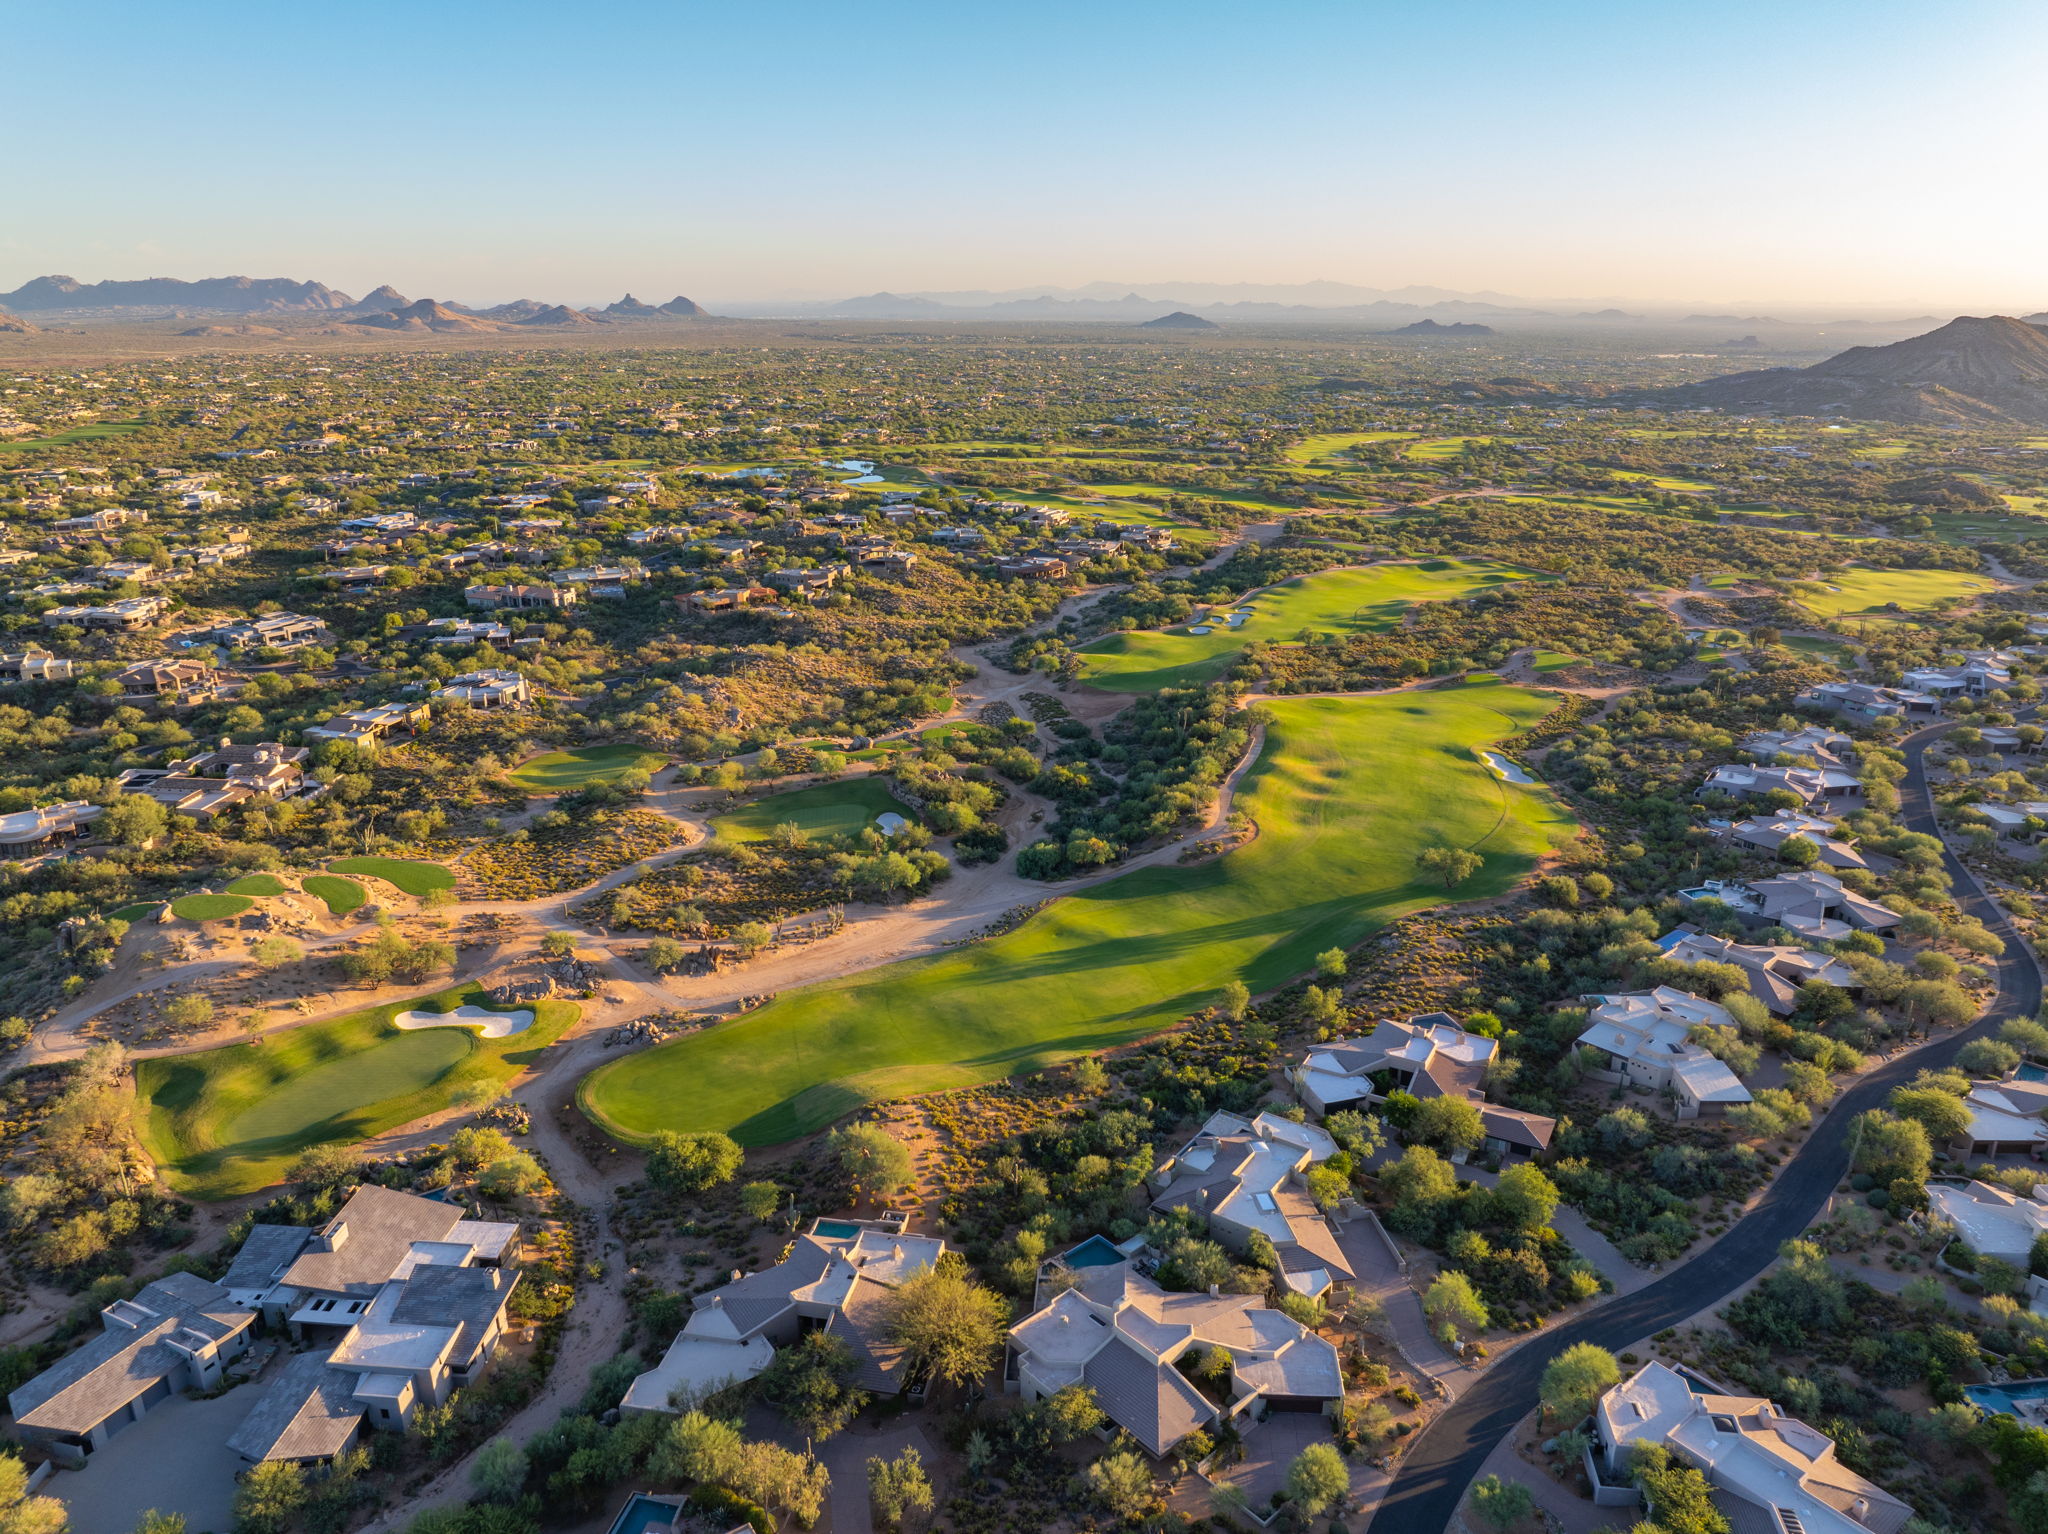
{"x": 236, "y": 295}
{"x": 1973, "y": 371}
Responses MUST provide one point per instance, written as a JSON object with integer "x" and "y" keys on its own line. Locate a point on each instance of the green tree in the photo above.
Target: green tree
{"x": 1526, "y": 1197}
{"x": 1987, "y": 1057}
{"x": 949, "y": 1327}
{"x": 691, "y": 1162}
{"x": 1331, "y": 963}
{"x": 499, "y": 1471}
{"x": 1451, "y": 1122}
{"x": 21, "y": 1513}
{"x": 811, "y": 1382}
{"x": 1502, "y": 1504}
{"x": 1237, "y": 1000}
{"x": 760, "y": 1199}
{"x": 1453, "y": 1305}
{"x": 1318, "y": 1480}
{"x": 1943, "y": 1115}
{"x": 270, "y": 1498}
{"x": 557, "y": 945}
{"x": 189, "y": 1010}
{"x": 1122, "y": 1483}
{"x": 1891, "y": 1148}
{"x": 875, "y": 1160}
{"x": 899, "y": 1487}
{"x": 664, "y": 954}
{"x": 276, "y": 952}
{"x": 1679, "y": 1496}
{"x": 1575, "y": 1379}
{"x": 1452, "y": 865}
{"x": 154, "y": 1522}
{"x": 1071, "y": 1412}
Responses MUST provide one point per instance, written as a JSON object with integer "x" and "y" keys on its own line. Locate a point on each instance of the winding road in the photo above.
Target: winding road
{"x": 1448, "y": 1454}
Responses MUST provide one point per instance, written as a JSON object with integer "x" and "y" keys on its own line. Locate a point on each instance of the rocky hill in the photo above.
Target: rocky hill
{"x": 1427, "y": 327}
{"x": 424, "y": 315}
{"x": 1180, "y": 319}
{"x": 560, "y": 314}
{"x": 1973, "y": 371}
{"x": 382, "y": 300}
{"x": 236, "y": 295}
{"x": 631, "y": 308}
{"x": 682, "y": 308}
{"x": 14, "y": 324}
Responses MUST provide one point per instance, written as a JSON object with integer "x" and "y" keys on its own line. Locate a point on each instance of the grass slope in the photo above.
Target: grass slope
{"x": 1371, "y": 597}
{"x": 830, "y": 809}
{"x": 75, "y": 434}
{"x": 562, "y": 771}
{"x": 209, "y": 907}
{"x": 257, "y": 884}
{"x": 412, "y": 877}
{"x": 227, "y": 1121}
{"x": 1345, "y": 793}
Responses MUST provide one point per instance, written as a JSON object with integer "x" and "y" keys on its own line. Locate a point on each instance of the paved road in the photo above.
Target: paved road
{"x": 1450, "y": 1451}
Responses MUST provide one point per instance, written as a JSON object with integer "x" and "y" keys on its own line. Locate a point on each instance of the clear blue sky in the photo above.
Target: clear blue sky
{"x": 1820, "y": 151}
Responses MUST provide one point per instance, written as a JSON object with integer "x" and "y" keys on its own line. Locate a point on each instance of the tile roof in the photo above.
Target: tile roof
{"x": 375, "y": 1230}
{"x": 308, "y": 1412}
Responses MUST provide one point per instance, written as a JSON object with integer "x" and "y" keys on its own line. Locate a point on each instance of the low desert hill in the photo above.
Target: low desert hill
{"x": 1973, "y": 371}
{"x": 424, "y": 315}
{"x": 560, "y": 314}
{"x": 14, "y": 324}
{"x": 1180, "y": 319}
{"x": 1428, "y": 327}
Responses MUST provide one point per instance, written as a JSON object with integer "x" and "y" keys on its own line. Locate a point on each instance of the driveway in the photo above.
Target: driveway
{"x": 1270, "y": 1448}
{"x": 175, "y": 1460}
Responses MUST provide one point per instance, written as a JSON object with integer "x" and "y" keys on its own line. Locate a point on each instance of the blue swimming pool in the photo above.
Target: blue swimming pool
{"x": 1095, "y": 1252}
{"x": 836, "y": 1229}
{"x": 2031, "y": 1073}
{"x": 644, "y": 1515}
{"x": 2005, "y": 1398}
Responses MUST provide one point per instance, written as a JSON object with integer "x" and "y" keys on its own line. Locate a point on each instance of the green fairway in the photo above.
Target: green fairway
{"x": 1345, "y": 793}
{"x": 1327, "y": 445}
{"x": 414, "y": 878}
{"x": 1371, "y": 597}
{"x": 222, "y": 1122}
{"x": 340, "y": 896}
{"x": 136, "y": 912}
{"x": 210, "y": 907}
{"x": 561, "y": 772}
{"x": 1861, "y": 593}
{"x": 830, "y": 809}
{"x": 257, "y": 884}
{"x": 75, "y": 434}
{"x": 1443, "y": 449}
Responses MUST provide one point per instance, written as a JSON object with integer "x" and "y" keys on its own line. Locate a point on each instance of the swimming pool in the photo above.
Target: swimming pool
{"x": 836, "y": 1230}
{"x": 2031, "y": 1073}
{"x": 644, "y": 1515}
{"x": 2005, "y": 1398}
{"x": 1095, "y": 1252}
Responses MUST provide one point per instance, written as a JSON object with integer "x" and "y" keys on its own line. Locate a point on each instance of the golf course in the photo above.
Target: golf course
{"x": 1331, "y": 601}
{"x": 1866, "y": 593}
{"x": 561, "y": 772}
{"x": 1345, "y": 793}
{"x": 225, "y": 1121}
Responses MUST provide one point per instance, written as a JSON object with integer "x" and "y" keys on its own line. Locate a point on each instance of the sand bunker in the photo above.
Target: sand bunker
{"x": 492, "y": 1025}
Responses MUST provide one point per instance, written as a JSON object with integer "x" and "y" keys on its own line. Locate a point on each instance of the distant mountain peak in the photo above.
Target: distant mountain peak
{"x": 385, "y": 298}
{"x": 561, "y": 314}
{"x": 1180, "y": 319}
{"x": 237, "y": 295}
{"x": 423, "y": 314}
{"x": 1429, "y": 327}
{"x": 629, "y": 305}
{"x": 683, "y": 308}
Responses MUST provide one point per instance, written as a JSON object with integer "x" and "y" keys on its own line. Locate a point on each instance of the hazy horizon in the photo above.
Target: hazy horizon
{"x": 1867, "y": 159}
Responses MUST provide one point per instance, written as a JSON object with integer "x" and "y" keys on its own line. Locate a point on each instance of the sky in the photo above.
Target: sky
{"x": 1883, "y": 152}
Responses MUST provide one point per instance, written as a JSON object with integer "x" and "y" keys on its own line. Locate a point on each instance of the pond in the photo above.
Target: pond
{"x": 861, "y": 469}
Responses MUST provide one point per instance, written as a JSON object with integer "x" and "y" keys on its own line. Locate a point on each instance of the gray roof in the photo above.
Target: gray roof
{"x": 309, "y": 1412}
{"x": 1156, "y": 1405}
{"x": 754, "y": 1299}
{"x": 376, "y": 1228}
{"x": 859, "y": 1323}
{"x": 469, "y": 1299}
{"x": 88, "y": 1385}
{"x": 265, "y": 1255}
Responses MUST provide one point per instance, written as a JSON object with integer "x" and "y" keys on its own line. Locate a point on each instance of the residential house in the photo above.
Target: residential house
{"x": 2012, "y": 819}
{"x": 888, "y": 561}
{"x": 33, "y": 665}
{"x": 1860, "y": 700}
{"x": 1644, "y": 1040}
{"x": 1769, "y": 833}
{"x": 353, "y": 578}
{"x": 273, "y": 631}
{"x": 27, "y": 832}
{"x": 205, "y": 785}
{"x": 806, "y": 583}
{"x": 495, "y": 598}
{"x": 1121, "y": 1335}
{"x": 1244, "y": 1176}
{"x": 369, "y": 724}
{"x": 1156, "y": 539}
{"x": 1769, "y": 1472}
{"x": 402, "y": 1300}
{"x": 833, "y": 1279}
{"x": 1814, "y": 905}
{"x": 1995, "y": 1222}
{"x": 1814, "y": 742}
{"x": 124, "y": 616}
{"x": 1972, "y": 679}
{"x": 1811, "y": 786}
{"x": 486, "y": 689}
{"x": 1035, "y": 567}
{"x": 177, "y": 1336}
{"x": 726, "y": 599}
{"x": 2006, "y": 1119}
{"x": 178, "y": 681}
{"x": 1775, "y": 972}
{"x": 102, "y": 521}
{"x": 1427, "y": 1056}
{"x": 464, "y": 631}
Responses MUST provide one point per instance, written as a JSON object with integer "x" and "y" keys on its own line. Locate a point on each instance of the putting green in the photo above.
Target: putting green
{"x": 227, "y": 1121}
{"x": 209, "y": 907}
{"x": 414, "y": 878}
{"x": 340, "y": 896}
{"x": 562, "y": 771}
{"x": 1348, "y": 600}
{"x": 1345, "y": 793}
{"x": 1330, "y": 444}
{"x": 830, "y": 809}
{"x": 257, "y": 884}
{"x": 1860, "y": 592}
